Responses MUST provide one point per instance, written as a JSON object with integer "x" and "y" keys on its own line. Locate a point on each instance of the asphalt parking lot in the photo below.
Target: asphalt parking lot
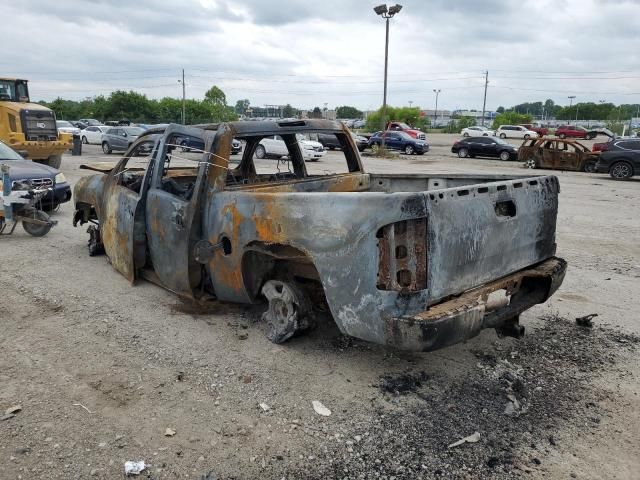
{"x": 101, "y": 368}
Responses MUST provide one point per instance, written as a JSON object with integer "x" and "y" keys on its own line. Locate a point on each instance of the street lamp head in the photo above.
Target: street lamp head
{"x": 395, "y": 9}
{"x": 380, "y": 9}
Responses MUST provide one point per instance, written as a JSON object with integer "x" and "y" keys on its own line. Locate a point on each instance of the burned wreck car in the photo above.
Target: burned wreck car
{"x": 417, "y": 262}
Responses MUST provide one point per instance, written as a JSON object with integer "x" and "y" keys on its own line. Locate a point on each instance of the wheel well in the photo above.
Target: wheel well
{"x": 624, "y": 160}
{"x": 262, "y": 262}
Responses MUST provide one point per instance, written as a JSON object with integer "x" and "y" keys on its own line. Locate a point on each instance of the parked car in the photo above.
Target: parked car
{"x": 67, "y": 127}
{"x": 403, "y": 127}
{"x": 477, "y": 131}
{"x": 78, "y": 124}
{"x": 361, "y": 141}
{"x": 414, "y": 261}
{"x": 541, "y": 131}
{"x": 557, "y": 154}
{"x": 27, "y": 174}
{"x": 569, "y": 131}
{"x": 93, "y": 134}
{"x": 399, "y": 141}
{"x": 329, "y": 141}
{"x": 621, "y": 159}
{"x": 485, "y": 147}
{"x": 274, "y": 147}
{"x": 236, "y": 146}
{"x": 90, "y": 122}
{"x": 119, "y": 138}
{"x": 515, "y": 131}
{"x": 359, "y": 124}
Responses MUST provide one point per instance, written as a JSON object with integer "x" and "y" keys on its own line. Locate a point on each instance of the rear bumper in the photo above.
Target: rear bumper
{"x": 489, "y": 306}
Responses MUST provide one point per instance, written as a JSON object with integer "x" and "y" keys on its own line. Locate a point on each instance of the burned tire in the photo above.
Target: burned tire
{"x": 463, "y": 153}
{"x": 260, "y": 152}
{"x": 531, "y": 163}
{"x": 621, "y": 170}
{"x": 34, "y": 229}
{"x": 289, "y": 310}
{"x": 589, "y": 166}
{"x": 54, "y": 161}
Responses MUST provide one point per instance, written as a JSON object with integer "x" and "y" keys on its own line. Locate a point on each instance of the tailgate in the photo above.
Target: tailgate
{"x": 479, "y": 233}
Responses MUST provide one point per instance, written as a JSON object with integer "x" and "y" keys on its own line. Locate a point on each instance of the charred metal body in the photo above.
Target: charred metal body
{"x": 414, "y": 261}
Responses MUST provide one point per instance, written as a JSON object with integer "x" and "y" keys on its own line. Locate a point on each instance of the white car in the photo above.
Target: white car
{"x": 477, "y": 131}
{"x": 274, "y": 147}
{"x": 66, "y": 127}
{"x": 515, "y": 131}
{"x": 93, "y": 134}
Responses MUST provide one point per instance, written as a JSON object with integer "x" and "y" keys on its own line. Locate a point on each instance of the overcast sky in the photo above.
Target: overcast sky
{"x": 309, "y": 53}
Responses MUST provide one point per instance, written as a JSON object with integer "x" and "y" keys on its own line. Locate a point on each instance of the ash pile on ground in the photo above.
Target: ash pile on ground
{"x": 520, "y": 398}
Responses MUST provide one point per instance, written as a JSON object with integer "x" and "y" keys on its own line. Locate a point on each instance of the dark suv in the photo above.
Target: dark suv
{"x": 399, "y": 141}
{"x": 621, "y": 159}
{"x": 485, "y": 147}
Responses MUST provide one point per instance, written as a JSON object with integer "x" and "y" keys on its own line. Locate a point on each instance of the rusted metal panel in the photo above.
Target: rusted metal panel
{"x": 402, "y": 256}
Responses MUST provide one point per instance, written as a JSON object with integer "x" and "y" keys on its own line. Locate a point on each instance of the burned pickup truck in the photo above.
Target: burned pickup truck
{"x": 418, "y": 262}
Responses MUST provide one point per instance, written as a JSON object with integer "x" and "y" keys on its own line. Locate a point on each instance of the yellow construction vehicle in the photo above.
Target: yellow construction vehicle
{"x": 30, "y": 128}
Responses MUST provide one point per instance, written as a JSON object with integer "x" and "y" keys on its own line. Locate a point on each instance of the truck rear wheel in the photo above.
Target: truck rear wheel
{"x": 54, "y": 161}
{"x": 288, "y": 311}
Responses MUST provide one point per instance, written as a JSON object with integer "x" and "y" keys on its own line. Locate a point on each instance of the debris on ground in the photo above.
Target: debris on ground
{"x": 473, "y": 438}
{"x": 264, "y": 407}
{"x": 13, "y": 410}
{"x": 403, "y": 383}
{"x": 169, "y": 432}
{"x": 134, "y": 468}
{"x": 320, "y": 408}
{"x": 586, "y": 321}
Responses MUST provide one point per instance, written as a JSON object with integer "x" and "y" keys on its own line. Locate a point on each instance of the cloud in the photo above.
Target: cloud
{"x": 308, "y": 53}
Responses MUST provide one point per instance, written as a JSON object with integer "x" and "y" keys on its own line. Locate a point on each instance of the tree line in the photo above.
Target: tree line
{"x": 583, "y": 110}
{"x": 136, "y": 107}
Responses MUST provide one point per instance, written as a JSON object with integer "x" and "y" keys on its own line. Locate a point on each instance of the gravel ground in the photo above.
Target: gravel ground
{"x": 101, "y": 369}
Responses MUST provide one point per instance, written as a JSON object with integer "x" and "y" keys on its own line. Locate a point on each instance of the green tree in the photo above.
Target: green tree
{"x": 409, "y": 115}
{"x": 288, "y": 111}
{"x": 348, "y": 112}
{"x": 241, "y": 106}
{"x": 215, "y": 96}
{"x": 511, "y": 118}
{"x": 316, "y": 112}
{"x": 500, "y": 109}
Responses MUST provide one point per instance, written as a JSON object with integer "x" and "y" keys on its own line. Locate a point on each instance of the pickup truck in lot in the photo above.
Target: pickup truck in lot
{"x": 414, "y": 261}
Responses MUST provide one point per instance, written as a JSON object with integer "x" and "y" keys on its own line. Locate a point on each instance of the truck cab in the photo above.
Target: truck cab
{"x": 403, "y": 127}
{"x": 30, "y": 128}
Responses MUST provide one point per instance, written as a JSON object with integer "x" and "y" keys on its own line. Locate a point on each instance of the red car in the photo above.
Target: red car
{"x": 403, "y": 127}
{"x": 541, "y": 131}
{"x": 570, "y": 131}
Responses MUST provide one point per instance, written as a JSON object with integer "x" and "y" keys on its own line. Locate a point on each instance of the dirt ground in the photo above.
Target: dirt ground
{"x": 102, "y": 369}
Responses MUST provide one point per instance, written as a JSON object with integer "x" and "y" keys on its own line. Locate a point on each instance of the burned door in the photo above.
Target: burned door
{"x": 549, "y": 154}
{"x": 122, "y": 211}
{"x": 568, "y": 156}
{"x": 173, "y": 212}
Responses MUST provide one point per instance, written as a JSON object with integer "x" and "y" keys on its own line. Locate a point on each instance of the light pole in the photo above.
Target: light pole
{"x": 570, "y": 97}
{"x": 410, "y": 103}
{"x": 435, "y": 116}
{"x": 386, "y": 13}
{"x": 183, "y": 98}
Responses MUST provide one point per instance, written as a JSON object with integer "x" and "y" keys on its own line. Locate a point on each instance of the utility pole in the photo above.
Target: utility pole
{"x": 410, "y": 103}
{"x": 184, "y": 97}
{"x": 484, "y": 102}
